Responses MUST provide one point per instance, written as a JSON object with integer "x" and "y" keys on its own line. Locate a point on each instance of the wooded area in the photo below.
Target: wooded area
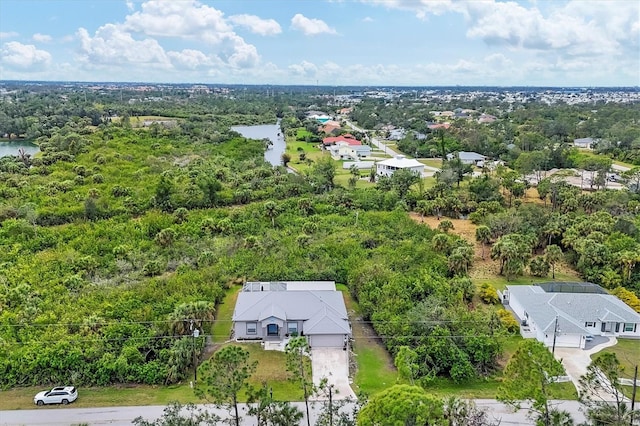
{"x": 119, "y": 239}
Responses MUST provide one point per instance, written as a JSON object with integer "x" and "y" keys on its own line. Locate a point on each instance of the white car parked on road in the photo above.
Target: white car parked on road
{"x": 61, "y": 395}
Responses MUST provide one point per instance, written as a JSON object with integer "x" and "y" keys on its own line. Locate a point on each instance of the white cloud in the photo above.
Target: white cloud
{"x": 193, "y": 21}
{"x": 130, "y": 5}
{"x": 576, "y": 28}
{"x": 24, "y": 56}
{"x": 257, "y": 25}
{"x": 421, "y": 8}
{"x": 41, "y": 38}
{"x": 310, "y": 26}
{"x": 186, "y": 19}
{"x": 304, "y": 69}
{"x": 242, "y": 55}
{"x": 112, "y": 46}
{"x": 8, "y": 34}
{"x": 140, "y": 38}
{"x": 190, "y": 59}
{"x": 367, "y": 19}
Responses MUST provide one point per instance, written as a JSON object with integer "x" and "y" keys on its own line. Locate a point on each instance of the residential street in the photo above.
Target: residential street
{"x": 374, "y": 141}
{"x": 121, "y": 416}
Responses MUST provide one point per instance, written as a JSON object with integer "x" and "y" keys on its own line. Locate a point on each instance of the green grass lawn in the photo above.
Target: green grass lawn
{"x": 432, "y": 162}
{"x": 375, "y": 371}
{"x": 22, "y": 398}
{"x": 628, "y": 353}
{"x": 138, "y": 121}
{"x": 272, "y": 370}
{"x": 224, "y": 313}
{"x": 302, "y": 133}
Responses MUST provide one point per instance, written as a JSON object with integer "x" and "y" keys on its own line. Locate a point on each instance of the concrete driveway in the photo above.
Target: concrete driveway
{"x": 576, "y": 361}
{"x": 332, "y": 363}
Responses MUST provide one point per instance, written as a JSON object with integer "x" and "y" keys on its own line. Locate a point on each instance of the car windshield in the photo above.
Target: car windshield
{"x": 72, "y": 390}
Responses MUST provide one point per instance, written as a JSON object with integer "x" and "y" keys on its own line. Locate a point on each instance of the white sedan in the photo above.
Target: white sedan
{"x": 61, "y": 395}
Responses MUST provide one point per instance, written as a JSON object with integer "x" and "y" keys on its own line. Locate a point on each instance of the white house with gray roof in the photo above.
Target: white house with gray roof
{"x": 275, "y": 311}
{"x": 570, "y": 316}
{"x": 467, "y": 157}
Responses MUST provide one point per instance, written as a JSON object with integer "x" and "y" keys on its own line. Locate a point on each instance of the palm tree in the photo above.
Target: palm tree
{"x": 445, "y": 226}
{"x": 423, "y": 207}
{"x": 460, "y": 260}
{"x": 553, "y": 254}
{"x": 483, "y": 236}
{"x": 305, "y": 206}
{"x": 441, "y": 243}
{"x": 553, "y": 228}
{"x": 187, "y": 316}
{"x": 628, "y": 260}
{"x": 271, "y": 211}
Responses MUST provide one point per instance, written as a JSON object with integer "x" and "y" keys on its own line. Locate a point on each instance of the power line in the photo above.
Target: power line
{"x": 179, "y": 336}
{"x": 122, "y": 323}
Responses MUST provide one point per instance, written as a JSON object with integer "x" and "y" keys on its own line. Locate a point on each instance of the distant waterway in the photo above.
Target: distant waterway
{"x": 12, "y": 148}
{"x": 272, "y": 155}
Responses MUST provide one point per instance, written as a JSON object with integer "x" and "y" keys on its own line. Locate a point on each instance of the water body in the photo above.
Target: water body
{"x": 11, "y": 148}
{"x": 270, "y": 131}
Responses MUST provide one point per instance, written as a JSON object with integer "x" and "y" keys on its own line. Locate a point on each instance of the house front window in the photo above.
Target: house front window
{"x": 252, "y": 328}
{"x": 272, "y": 330}
{"x": 628, "y": 326}
{"x": 589, "y": 324}
{"x": 292, "y": 327}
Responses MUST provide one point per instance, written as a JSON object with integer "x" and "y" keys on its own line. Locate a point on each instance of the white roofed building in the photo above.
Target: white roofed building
{"x": 399, "y": 162}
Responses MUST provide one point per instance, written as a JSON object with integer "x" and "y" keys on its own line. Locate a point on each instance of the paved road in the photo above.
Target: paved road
{"x": 374, "y": 141}
{"x": 121, "y": 416}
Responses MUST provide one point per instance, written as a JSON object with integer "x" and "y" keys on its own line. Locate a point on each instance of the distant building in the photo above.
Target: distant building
{"x": 399, "y": 162}
{"x": 333, "y": 140}
{"x": 467, "y": 157}
{"x": 397, "y": 134}
{"x": 584, "y": 143}
{"x": 437, "y": 126}
{"x": 486, "y": 118}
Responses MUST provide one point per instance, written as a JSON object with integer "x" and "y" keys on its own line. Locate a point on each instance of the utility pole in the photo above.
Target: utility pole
{"x": 330, "y": 405}
{"x": 555, "y": 333}
{"x": 633, "y": 394}
{"x": 194, "y": 333}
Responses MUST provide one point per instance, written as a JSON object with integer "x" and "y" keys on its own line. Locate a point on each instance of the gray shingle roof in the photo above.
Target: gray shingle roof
{"x": 325, "y": 321}
{"x": 469, "y": 156}
{"x": 324, "y": 310}
{"x": 572, "y": 309}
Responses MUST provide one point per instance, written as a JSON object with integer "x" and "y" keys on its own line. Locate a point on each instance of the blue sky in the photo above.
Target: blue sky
{"x": 337, "y": 42}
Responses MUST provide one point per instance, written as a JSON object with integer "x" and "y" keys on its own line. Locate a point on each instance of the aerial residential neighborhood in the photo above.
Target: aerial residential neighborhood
{"x": 306, "y": 213}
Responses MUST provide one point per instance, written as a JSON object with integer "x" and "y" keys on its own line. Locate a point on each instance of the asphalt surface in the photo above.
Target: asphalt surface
{"x": 121, "y": 416}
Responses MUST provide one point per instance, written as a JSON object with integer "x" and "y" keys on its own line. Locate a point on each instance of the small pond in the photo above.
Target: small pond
{"x": 270, "y": 131}
{"x": 12, "y": 148}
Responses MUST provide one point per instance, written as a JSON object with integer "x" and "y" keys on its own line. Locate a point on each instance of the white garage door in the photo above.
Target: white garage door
{"x": 326, "y": 341}
{"x": 568, "y": 340}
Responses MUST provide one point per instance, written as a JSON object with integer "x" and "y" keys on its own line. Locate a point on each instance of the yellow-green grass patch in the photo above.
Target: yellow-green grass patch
{"x": 432, "y": 162}
{"x": 22, "y": 398}
{"x": 224, "y": 314}
{"x": 628, "y": 353}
